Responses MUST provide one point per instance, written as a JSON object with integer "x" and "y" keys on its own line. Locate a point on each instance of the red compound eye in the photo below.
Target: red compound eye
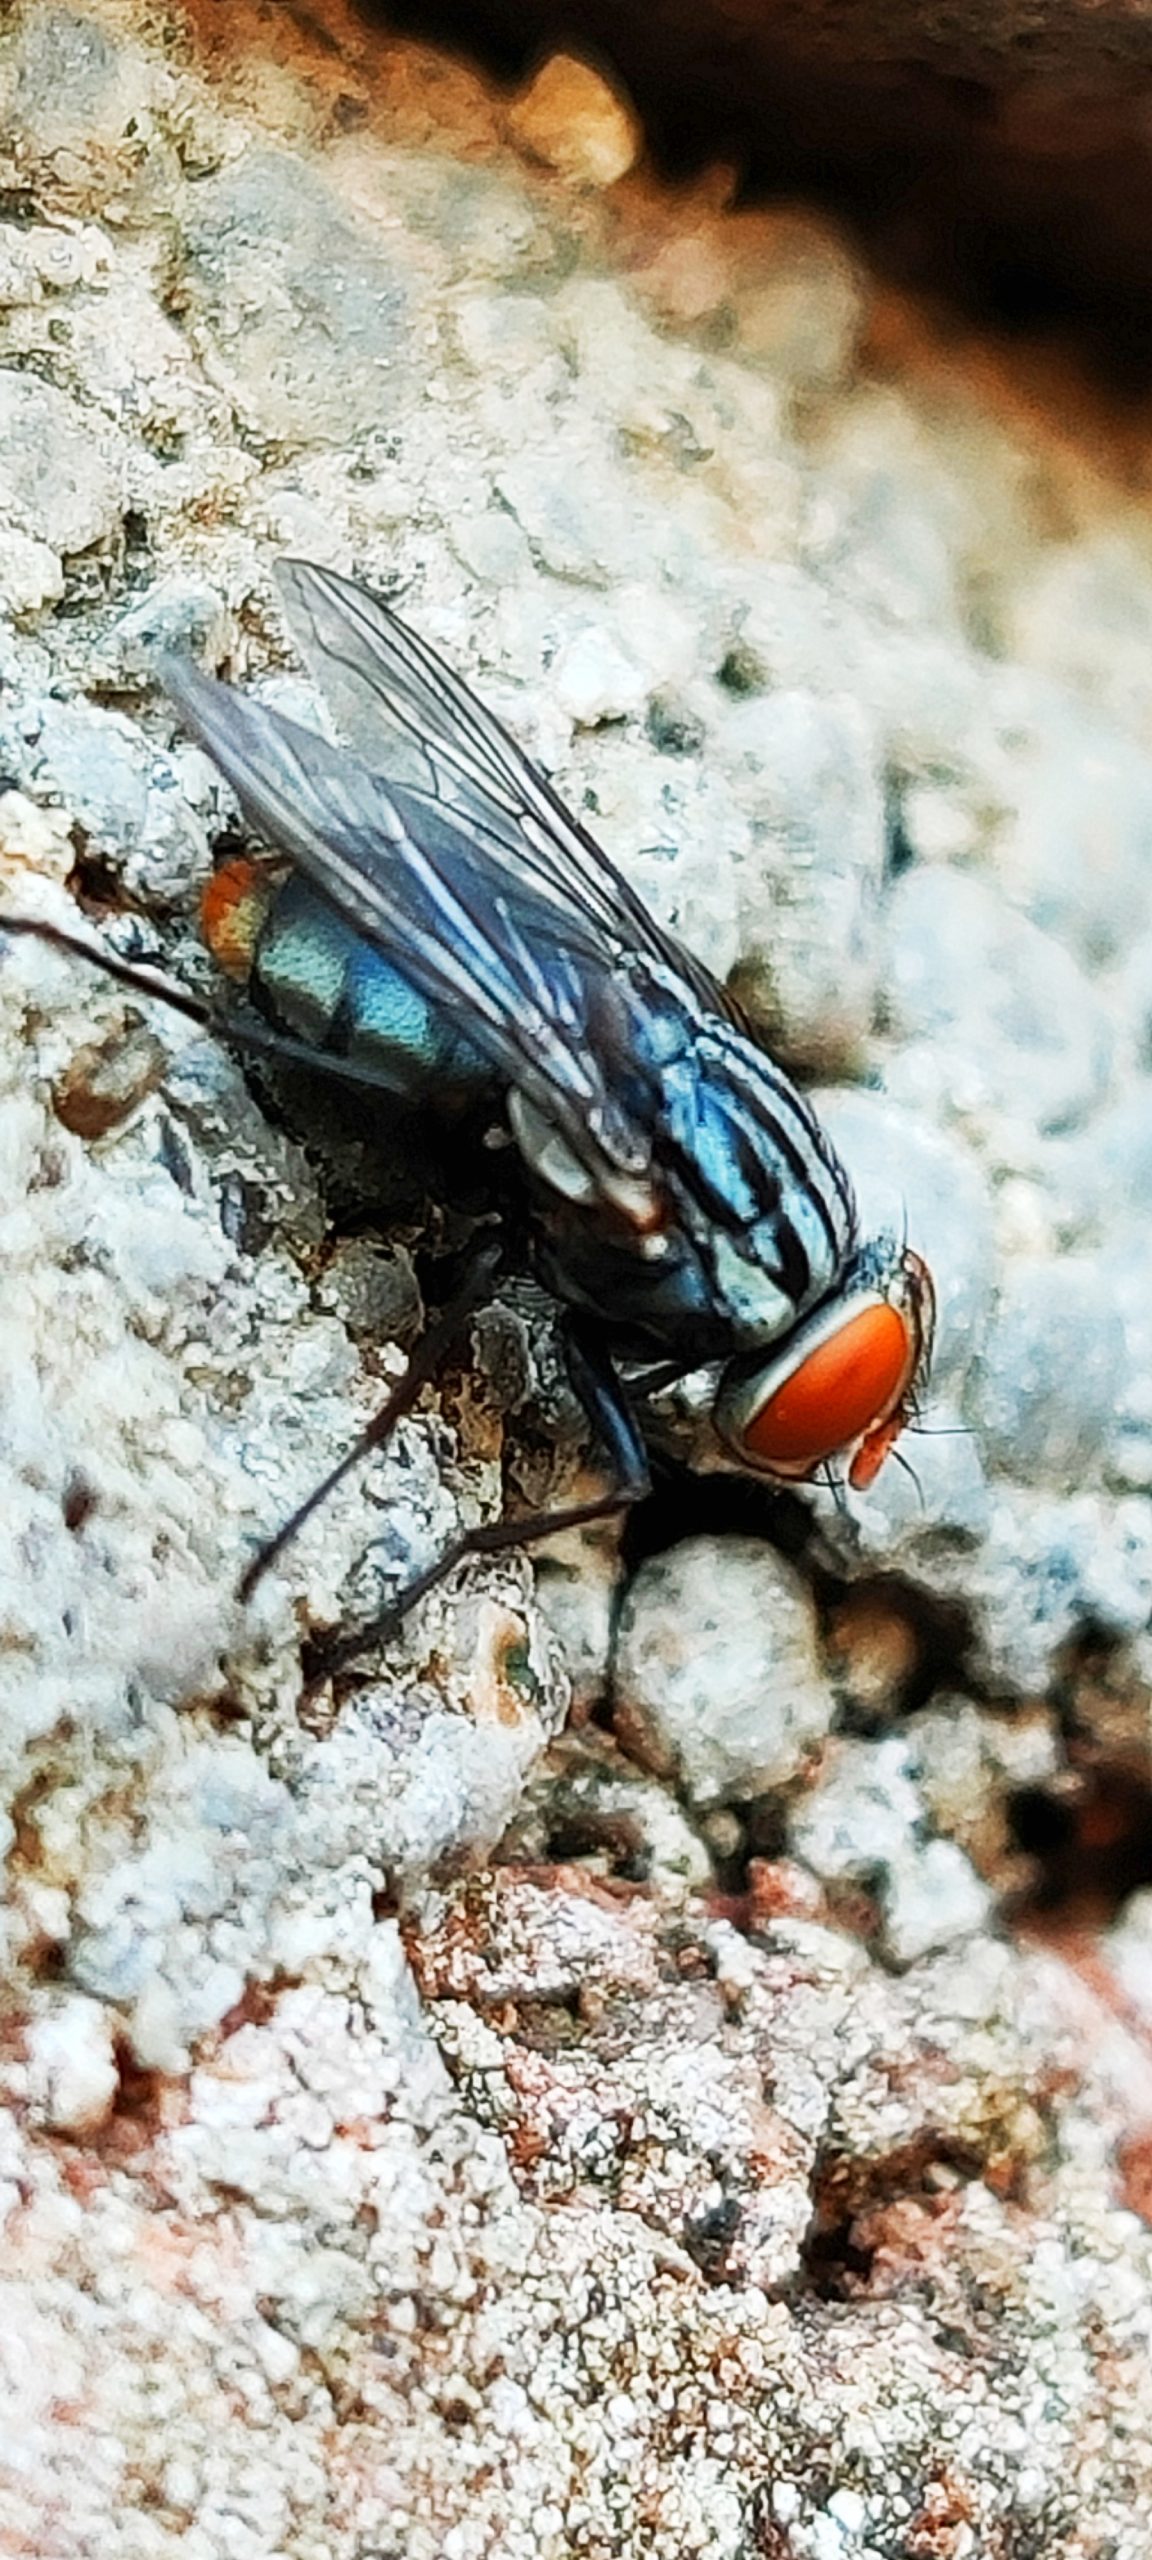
{"x": 849, "y": 1387}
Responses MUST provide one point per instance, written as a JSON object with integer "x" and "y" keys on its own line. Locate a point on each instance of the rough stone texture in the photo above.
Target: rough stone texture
{"x": 863, "y": 1824}
{"x": 718, "y": 1681}
{"x": 724, "y": 2182}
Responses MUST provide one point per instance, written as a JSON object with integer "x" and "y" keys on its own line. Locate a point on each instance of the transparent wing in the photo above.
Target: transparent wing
{"x": 410, "y": 718}
{"x": 533, "y": 984}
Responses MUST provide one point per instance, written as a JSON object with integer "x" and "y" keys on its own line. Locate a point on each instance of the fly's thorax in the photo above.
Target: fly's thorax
{"x": 844, "y": 1382}
{"x": 759, "y": 1183}
{"x": 639, "y": 1276}
{"x": 659, "y": 1305}
{"x": 742, "y": 1217}
{"x": 748, "y": 1275}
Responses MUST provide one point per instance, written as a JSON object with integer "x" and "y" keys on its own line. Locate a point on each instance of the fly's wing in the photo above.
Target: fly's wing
{"x": 416, "y": 722}
{"x": 519, "y": 974}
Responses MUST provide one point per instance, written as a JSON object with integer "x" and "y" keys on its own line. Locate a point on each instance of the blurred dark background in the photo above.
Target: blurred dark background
{"x": 999, "y": 150}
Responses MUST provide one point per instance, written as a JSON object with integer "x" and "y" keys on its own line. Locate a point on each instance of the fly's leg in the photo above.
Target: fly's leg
{"x": 595, "y": 1382}
{"x": 261, "y": 1040}
{"x": 252, "y": 1038}
{"x": 428, "y": 1357}
{"x": 602, "y": 1397}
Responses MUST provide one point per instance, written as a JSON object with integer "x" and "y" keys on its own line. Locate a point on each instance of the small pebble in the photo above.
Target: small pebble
{"x": 72, "y": 2071}
{"x": 862, "y": 1824}
{"x": 571, "y": 118}
{"x": 861, "y": 1816}
{"x": 930, "y": 1900}
{"x": 718, "y": 1677}
{"x": 874, "y": 1651}
{"x": 373, "y": 1288}
{"x": 576, "y": 1590}
{"x": 105, "y": 1080}
{"x": 177, "y": 612}
{"x": 810, "y": 884}
{"x": 594, "y": 680}
{"x": 969, "y": 1763}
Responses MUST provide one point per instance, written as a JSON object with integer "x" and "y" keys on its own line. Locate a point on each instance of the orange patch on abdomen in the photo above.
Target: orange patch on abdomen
{"x": 232, "y": 909}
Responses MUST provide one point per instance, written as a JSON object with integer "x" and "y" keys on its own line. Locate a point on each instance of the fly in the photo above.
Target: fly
{"x": 447, "y": 938}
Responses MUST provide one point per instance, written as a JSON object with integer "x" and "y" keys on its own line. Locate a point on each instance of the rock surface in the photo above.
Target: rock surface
{"x": 717, "y": 1674}
{"x": 721, "y": 2178}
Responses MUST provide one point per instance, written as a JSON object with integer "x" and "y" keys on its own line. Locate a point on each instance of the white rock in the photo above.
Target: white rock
{"x": 803, "y": 303}
{"x": 594, "y": 680}
{"x": 1042, "y": 1394}
{"x": 1129, "y": 1947}
{"x": 72, "y": 2071}
{"x": 717, "y": 1673}
{"x": 862, "y": 1815}
{"x": 864, "y": 1822}
{"x": 577, "y": 1589}
{"x": 307, "y": 370}
{"x": 1102, "y": 1177}
{"x": 969, "y": 1760}
{"x": 366, "y": 326}
{"x": 178, "y": 612}
{"x": 997, "y": 1016}
{"x": 55, "y": 482}
{"x": 45, "y": 259}
{"x": 34, "y": 840}
{"x": 1073, "y": 850}
{"x": 886, "y": 518}
{"x": 1129, "y": 987}
{"x": 31, "y": 574}
{"x": 1046, "y": 1567}
{"x": 122, "y": 791}
{"x": 849, "y": 2511}
{"x": 933, "y": 1899}
{"x": 1085, "y": 616}
{"x": 580, "y": 523}
{"x": 810, "y": 884}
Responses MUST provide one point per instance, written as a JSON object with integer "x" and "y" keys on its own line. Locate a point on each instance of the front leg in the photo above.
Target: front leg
{"x": 426, "y": 1361}
{"x": 603, "y": 1400}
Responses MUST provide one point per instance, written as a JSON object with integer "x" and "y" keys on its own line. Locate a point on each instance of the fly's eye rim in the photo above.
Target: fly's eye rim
{"x": 919, "y": 1294}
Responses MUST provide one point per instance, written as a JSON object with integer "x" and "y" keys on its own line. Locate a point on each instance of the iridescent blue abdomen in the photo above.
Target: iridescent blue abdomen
{"x": 321, "y": 981}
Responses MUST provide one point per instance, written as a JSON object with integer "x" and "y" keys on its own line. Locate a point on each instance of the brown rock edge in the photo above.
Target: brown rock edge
{"x": 1001, "y": 148}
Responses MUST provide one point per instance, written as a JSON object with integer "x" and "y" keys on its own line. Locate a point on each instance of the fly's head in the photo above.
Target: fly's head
{"x": 846, "y": 1381}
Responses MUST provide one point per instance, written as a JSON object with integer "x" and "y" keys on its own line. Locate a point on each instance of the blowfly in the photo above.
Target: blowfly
{"x": 441, "y": 933}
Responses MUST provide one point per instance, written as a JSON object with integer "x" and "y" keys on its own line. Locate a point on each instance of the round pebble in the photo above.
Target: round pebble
{"x": 718, "y": 1678}
{"x": 570, "y": 117}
